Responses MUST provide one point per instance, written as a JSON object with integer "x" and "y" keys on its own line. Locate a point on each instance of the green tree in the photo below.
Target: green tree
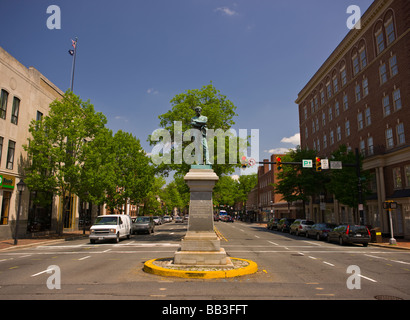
{"x": 344, "y": 183}
{"x": 246, "y": 184}
{"x": 220, "y": 112}
{"x": 56, "y": 151}
{"x": 225, "y": 191}
{"x": 296, "y": 183}
{"x": 132, "y": 174}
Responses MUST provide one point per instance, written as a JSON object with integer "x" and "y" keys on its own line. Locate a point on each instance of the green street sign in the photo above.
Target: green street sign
{"x": 307, "y": 163}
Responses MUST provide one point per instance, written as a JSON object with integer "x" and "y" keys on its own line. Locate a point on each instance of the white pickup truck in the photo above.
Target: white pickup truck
{"x": 111, "y": 227}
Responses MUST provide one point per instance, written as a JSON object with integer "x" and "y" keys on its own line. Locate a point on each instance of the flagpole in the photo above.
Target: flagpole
{"x": 73, "y": 66}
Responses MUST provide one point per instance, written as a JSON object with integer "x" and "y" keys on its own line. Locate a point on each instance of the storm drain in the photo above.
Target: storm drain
{"x": 385, "y": 297}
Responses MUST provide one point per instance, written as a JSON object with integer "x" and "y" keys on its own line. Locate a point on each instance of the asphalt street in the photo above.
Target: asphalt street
{"x": 289, "y": 267}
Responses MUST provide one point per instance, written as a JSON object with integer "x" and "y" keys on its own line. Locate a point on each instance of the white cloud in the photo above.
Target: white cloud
{"x": 226, "y": 11}
{"x": 152, "y": 91}
{"x": 295, "y": 139}
{"x": 121, "y": 118}
{"x": 277, "y": 150}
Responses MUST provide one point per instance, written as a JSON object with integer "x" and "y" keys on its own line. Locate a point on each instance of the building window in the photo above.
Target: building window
{"x": 15, "y": 110}
{"x": 363, "y": 59}
{"x": 322, "y": 97}
{"x": 356, "y": 67}
{"x": 362, "y": 147}
{"x": 305, "y": 112}
{"x": 345, "y": 103}
{"x": 318, "y": 144}
{"x": 323, "y": 119}
{"x": 344, "y": 77}
{"x": 306, "y": 133}
{"x": 347, "y": 128}
{"x": 397, "y": 178}
{"x": 337, "y": 109}
{"x": 380, "y": 42}
{"x": 3, "y": 103}
{"x": 330, "y": 114}
{"x": 386, "y": 105}
{"x": 370, "y": 147}
{"x": 338, "y": 134}
{"x": 360, "y": 123}
{"x": 324, "y": 142}
{"x": 332, "y": 138}
{"x": 397, "y": 100}
{"x": 390, "y": 32}
{"x": 335, "y": 85}
{"x": 329, "y": 90}
{"x": 39, "y": 116}
{"x": 313, "y": 127}
{"x": 365, "y": 83}
{"x": 317, "y": 124}
{"x": 393, "y": 66}
{"x": 389, "y": 138}
{"x": 314, "y": 144}
{"x": 368, "y": 117}
{"x": 358, "y": 93}
{"x": 401, "y": 139}
{"x": 383, "y": 73}
{"x": 10, "y": 155}
{"x": 407, "y": 174}
{"x": 312, "y": 107}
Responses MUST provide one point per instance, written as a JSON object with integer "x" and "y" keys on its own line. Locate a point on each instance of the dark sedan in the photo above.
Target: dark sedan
{"x": 320, "y": 230}
{"x": 350, "y": 233}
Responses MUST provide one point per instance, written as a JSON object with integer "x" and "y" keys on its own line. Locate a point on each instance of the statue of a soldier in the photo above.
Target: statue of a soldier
{"x": 199, "y": 122}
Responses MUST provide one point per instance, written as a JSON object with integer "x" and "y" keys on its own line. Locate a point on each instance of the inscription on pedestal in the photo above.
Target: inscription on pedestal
{"x": 200, "y": 212}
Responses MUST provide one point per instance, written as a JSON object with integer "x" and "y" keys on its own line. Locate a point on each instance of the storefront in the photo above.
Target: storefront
{"x": 7, "y": 184}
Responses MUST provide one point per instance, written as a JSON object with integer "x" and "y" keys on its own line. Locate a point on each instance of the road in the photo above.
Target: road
{"x": 290, "y": 267}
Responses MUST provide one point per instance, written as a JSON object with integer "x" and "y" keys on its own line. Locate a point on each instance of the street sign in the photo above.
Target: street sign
{"x": 335, "y": 164}
{"x": 307, "y": 163}
{"x": 252, "y": 162}
{"x": 325, "y": 164}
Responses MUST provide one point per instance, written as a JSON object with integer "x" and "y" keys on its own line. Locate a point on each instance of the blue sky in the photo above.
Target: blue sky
{"x": 134, "y": 56}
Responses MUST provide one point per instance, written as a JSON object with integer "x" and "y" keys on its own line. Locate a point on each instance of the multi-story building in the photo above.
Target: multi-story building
{"x": 360, "y": 97}
{"x": 263, "y": 203}
{"x": 25, "y": 96}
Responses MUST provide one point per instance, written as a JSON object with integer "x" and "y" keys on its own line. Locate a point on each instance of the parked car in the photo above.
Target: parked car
{"x": 350, "y": 233}
{"x": 144, "y": 224}
{"x": 229, "y": 219}
{"x": 320, "y": 230}
{"x": 300, "y": 226}
{"x": 179, "y": 220}
{"x": 167, "y": 219}
{"x": 273, "y": 223}
{"x": 111, "y": 227}
{"x": 284, "y": 224}
{"x": 157, "y": 220}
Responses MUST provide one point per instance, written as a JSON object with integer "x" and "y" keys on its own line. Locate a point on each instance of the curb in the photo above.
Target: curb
{"x": 387, "y": 246}
{"x": 149, "y": 267}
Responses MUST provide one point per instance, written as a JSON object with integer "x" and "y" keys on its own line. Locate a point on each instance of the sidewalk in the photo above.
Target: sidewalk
{"x": 8, "y": 244}
{"x": 403, "y": 244}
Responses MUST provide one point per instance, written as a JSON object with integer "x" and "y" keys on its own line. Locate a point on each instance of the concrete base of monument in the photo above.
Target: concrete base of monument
{"x": 202, "y": 258}
{"x": 165, "y": 267}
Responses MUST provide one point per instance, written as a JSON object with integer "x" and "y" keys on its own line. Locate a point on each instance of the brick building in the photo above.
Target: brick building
{"x": 360, "y": 97}
{"x": 263, "y": 203}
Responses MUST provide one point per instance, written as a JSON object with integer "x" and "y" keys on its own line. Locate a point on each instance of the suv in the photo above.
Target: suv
{"x": 350, "y": 233}
{"x": 284, "y": 224}
{"x": 300, "y": 226}
{"x": 143, "y": 224}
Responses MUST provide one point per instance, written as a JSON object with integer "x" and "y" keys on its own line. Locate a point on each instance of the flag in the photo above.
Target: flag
{"x": 74, "y": 43}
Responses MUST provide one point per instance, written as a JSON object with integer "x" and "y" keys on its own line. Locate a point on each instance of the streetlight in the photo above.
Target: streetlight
{"x": 21, "y": 186}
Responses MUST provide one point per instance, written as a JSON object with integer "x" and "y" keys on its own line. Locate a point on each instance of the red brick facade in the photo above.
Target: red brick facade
{"x": 360, "y": 97}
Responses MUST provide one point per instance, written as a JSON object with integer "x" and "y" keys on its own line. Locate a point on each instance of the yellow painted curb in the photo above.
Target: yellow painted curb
{"x": 252, "y": 267}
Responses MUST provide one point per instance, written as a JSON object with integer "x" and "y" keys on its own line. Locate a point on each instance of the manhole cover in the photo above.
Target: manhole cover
{"x": 385, "y": 297}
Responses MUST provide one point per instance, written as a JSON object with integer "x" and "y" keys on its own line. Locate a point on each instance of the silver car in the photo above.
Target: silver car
{"x": 300, "y": 226}
{"x": 143, "y": 224}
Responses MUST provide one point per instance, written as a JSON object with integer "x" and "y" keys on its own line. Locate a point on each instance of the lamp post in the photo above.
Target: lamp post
{"x": 20, "y": 188}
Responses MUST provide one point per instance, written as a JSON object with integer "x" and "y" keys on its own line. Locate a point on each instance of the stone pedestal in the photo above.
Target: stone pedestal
{"x": 201, "y": 246}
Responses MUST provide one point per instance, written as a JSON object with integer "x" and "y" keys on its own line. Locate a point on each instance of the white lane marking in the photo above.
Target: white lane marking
{"x": 83, "y": 258}
{"x": 362, "y": 276}
{"x": 328, "y": 263}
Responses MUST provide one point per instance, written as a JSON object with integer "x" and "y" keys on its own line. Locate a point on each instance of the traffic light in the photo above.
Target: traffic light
{"x": 244, "y": 162}
{"x": 278, "y": 163}
{"x": 318, "y": 164}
